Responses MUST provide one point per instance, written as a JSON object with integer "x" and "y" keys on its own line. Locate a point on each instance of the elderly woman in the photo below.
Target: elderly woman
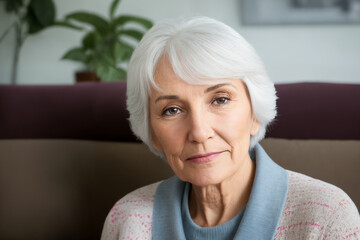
{"x": 199, "y": 97}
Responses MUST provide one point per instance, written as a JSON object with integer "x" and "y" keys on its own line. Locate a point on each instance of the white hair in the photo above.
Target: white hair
{"x": 197, "y": 49}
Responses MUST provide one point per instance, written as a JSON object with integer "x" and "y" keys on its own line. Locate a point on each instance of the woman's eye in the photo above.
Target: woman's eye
{"x": 221, "y": 100}
{"x": 171, "y": 111}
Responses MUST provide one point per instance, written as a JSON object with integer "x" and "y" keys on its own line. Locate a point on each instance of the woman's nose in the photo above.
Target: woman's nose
{"x": 200, "y": 127}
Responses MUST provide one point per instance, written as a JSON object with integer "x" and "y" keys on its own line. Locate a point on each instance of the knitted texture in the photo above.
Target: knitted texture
{"x": 313, "y": 210}
{"x": 131, "y": 217}
{"x": 317, "y": 210}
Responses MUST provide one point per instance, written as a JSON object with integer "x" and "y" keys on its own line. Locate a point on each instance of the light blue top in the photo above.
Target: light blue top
{"x": 225, "y": 231}
{"x": 260, "y": 217}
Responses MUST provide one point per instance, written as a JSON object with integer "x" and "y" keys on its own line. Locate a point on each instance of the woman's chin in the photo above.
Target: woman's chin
{"x": 203, "y": 180}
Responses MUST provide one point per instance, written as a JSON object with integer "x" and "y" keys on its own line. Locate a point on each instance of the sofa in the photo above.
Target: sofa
{"x": 67, "y": 153}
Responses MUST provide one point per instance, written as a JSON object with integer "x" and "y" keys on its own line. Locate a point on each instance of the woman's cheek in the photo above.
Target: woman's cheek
{"x": 236, "y": 125}
{"x": 172, "y": 136}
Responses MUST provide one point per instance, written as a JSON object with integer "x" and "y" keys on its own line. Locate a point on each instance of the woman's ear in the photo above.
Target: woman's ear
{"x": 255, "y": 125}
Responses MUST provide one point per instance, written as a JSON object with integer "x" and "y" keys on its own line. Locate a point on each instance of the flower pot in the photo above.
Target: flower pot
{"x": 87, "y": 76}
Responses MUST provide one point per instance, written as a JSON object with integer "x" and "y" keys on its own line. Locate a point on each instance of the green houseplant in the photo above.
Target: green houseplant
{"x": 108, "y": 43}
{"x": 30, "y": 17}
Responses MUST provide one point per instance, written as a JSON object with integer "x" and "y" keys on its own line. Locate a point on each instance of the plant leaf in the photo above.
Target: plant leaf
{"x": 89, "y": 40}
{"x": 132, "y": 33}
{"x": 13, "y": 5}
{"x": 76, "y": 54}
{"x": 92, "y": 40}
{"x": 90, "y": 62}
{"x": 122, "y": 51}
{"x": 113, "y": 7}
{"x": 34, "y": 25}
{"x": 66, "y": 24}
{"x": 109, "y": 73}
{"x": 44, "y": 11}
{"x": 98, "y": 22}
{"x": 121, "y": 20}
{"x": 119, "y": 51}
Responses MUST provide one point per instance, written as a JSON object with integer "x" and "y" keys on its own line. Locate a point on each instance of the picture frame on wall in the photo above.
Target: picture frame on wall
{"x": 277, "y": 12}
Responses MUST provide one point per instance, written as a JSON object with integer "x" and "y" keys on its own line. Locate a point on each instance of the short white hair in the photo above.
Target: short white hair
{"x": 197, "y": 48}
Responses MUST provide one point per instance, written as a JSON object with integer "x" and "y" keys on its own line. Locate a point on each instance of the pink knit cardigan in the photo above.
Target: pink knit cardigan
{"x": 313, "y": 210}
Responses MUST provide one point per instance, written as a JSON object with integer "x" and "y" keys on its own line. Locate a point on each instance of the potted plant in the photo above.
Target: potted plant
{"x": 107, "y": 45}
{"x": 30, "y": 17}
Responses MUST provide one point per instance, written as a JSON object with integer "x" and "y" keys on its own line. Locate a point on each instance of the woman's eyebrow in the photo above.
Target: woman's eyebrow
{"x": 218, "y": 86}
{"x": 212, "y": 88}
{"x": 166, "y": 97}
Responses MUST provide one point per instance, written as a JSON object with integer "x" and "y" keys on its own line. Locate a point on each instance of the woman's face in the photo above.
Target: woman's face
{"x": 204, "y": 130}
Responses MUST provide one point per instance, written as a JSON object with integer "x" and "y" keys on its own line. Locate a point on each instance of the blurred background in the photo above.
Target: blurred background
{"x": 307, "y": 51}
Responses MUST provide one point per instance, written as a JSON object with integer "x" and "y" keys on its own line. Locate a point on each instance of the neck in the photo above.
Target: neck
{"x": 213, "y": 205}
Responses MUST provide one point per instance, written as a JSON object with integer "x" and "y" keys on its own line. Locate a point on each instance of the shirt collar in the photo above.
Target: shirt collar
{"x": 267, "y": 199}
{"x": 263, "y": 210}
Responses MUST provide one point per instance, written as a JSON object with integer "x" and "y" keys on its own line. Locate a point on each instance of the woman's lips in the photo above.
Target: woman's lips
{"x": 204, "y": 158}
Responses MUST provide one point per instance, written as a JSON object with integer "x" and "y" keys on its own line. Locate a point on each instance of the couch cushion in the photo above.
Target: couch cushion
{"x": 63, "y": 189}
{"x": 97, "y": 111}
{"x": 317, "y": 111}
{"x": 92, "y": 111}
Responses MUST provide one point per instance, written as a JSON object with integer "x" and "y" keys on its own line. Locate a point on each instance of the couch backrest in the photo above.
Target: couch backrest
{"x": 97, "y": 111}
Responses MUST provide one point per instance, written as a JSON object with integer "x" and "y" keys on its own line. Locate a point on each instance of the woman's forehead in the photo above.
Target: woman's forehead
{"x": 166, "y": 70}
{"x": 165, "y": 76}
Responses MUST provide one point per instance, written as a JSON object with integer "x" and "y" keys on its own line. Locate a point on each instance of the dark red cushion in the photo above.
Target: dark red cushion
{"x": 317, "y": 111}
{"x": 94, "y": 111}
{"x": 97, "y": 111}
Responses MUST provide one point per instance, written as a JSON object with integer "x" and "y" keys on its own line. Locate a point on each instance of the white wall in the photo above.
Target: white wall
{"x": 291, "y": 53}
